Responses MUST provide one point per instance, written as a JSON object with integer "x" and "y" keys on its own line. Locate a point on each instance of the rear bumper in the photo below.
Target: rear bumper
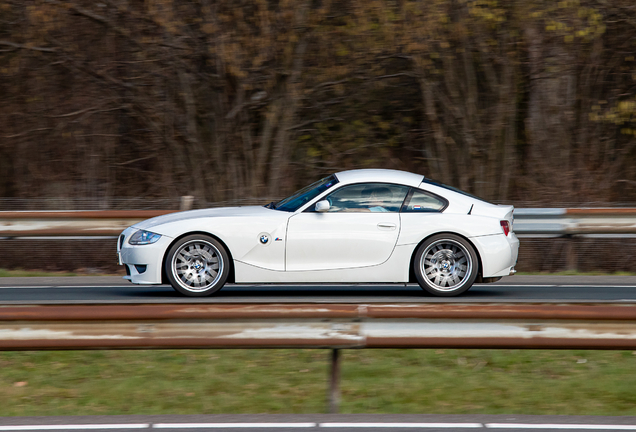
{"x": 498, "y": 253}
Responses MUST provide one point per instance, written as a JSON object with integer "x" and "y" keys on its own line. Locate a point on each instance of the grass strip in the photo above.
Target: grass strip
{"x": 295, "y": 381}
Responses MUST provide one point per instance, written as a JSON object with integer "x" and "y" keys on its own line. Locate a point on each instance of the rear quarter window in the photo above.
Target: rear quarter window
{"x": 419, "y": 201}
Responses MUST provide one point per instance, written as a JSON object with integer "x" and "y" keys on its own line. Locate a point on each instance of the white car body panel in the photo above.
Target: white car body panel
{"x": 498, "y": 253}
{"x": 395, "y": 269}
{"x": 380, "y": 176}
{"x": 417, "y": 226}
{"x": 339, "y": 247}
{"x": 238, "y": 227}
{"x": 494, "y": 248}
{"x": 152, "y": 257}
{"x": 330, "y": 241}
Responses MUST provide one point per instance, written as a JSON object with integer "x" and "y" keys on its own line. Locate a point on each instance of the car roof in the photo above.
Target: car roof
{"x": 380, "y": 175}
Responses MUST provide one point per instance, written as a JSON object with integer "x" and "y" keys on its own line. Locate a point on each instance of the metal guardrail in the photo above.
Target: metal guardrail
{"x": 597, "y": 326}
{"x": 333, "y": 326}
{"x": 575, "y": 221}
{"x": 71, "y": 223}
{"x": 546, "y": 221}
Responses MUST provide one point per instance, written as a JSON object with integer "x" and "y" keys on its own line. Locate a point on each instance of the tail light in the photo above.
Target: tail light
{"x": 506, "y": 226}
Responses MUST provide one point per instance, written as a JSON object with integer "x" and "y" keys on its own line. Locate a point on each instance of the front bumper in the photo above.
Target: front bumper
{"x": 143, "y": 262}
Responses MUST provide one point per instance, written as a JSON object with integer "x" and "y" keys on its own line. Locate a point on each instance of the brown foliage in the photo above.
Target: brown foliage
{"x": 525, "y": 101}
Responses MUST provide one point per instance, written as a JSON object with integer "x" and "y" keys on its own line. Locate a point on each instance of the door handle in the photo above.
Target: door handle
{"x": 386, "y": 226}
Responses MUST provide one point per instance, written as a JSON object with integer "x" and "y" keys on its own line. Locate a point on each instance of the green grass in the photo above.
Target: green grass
{"x": 295, "y": 381}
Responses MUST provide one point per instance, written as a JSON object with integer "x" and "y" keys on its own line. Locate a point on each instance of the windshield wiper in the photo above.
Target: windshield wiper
{"x": 271, "y": 205}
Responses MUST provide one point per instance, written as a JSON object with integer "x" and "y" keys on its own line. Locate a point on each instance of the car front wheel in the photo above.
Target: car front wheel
{"x": 197, "y": 265}
{"x": 446, "y": 265}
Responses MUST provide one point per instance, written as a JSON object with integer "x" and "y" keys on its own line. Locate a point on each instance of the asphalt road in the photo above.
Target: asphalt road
{"x": 331, "y": 423}
{"x": 109, "y": 289}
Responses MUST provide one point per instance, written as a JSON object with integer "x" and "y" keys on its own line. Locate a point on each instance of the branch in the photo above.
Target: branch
{"x": 314, "y": 121}
{"x": 169, "y": 45}
{"x": 15, "y": 45}
{"x": 95, "y": 17}
{"x": 120, "y": 164}
{"x": 74, "y": 113}
{"x": 629, "y": 182}
{"x": 26, "y": 132}
{"x": 410, "y": 75}
{"x": 328, "y": 84}
{"x": 95, "y": 74}
{"x": 101, "y": 135}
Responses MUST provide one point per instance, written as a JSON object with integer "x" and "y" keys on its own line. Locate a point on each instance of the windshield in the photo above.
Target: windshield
{"x": 305, "y": 195}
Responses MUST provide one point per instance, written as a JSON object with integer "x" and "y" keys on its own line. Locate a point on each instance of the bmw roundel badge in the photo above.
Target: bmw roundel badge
{"x": 263, "y": 238}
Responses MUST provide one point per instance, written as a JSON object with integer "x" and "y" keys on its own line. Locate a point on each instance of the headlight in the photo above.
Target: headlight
{"x": 142, "y": 237}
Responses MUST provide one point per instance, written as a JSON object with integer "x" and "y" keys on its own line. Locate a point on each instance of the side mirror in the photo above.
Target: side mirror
{"x": 322, "y": 206}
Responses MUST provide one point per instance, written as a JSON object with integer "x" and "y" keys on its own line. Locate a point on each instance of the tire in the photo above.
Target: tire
{"x": 197, "y": 265}
{"x": 446, "y": 265}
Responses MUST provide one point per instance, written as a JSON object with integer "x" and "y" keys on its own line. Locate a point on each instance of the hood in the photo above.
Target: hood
{"x": 226, "y": 212}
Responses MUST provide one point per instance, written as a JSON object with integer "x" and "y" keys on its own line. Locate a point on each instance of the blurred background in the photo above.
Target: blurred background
{"x": 121, "y": 104}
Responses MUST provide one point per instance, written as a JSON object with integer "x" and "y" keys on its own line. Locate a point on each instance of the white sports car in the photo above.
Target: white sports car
{"x": 378, "y": 226}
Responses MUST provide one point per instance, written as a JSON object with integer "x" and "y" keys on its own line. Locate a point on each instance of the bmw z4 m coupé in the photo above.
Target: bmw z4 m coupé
{"x": 360, "y": 226}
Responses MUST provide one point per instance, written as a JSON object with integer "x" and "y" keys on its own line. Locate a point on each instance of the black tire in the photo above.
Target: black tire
{"x": 197, "y": 265}
{"x": 446, "y": 265}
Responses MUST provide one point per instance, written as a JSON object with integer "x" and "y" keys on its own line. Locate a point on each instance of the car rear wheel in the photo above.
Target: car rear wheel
{"x": 197, "y": 265}
{"x": 446, "y": 265}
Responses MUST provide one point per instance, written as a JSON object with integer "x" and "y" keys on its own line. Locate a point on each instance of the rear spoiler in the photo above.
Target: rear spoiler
{"x": 503, "y": 212}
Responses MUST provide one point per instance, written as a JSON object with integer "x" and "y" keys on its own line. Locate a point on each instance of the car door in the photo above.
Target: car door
{"x": 360, "y": 229}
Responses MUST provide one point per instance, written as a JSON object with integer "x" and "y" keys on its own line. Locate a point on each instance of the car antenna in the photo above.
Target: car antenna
{"x": 471, "y": 208}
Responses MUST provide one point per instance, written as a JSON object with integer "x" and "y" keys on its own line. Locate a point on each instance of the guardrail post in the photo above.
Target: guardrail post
{"x": 186, "y": 202}
{"x": 334, "y": 382}
{"x": 571, "y": 257}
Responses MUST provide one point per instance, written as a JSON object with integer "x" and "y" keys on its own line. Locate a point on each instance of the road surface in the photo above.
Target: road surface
{"x": 320, "y": 422}
{"x": 109, "y": 289}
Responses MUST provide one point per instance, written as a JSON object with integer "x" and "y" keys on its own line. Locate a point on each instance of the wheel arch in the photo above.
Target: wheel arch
{"x": 164, "y": 278}
{"x": 412, "y": 277}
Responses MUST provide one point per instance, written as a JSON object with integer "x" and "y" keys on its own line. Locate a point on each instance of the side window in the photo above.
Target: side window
{"x": 421, "y": 201}
{"x": 368, "y": 197}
